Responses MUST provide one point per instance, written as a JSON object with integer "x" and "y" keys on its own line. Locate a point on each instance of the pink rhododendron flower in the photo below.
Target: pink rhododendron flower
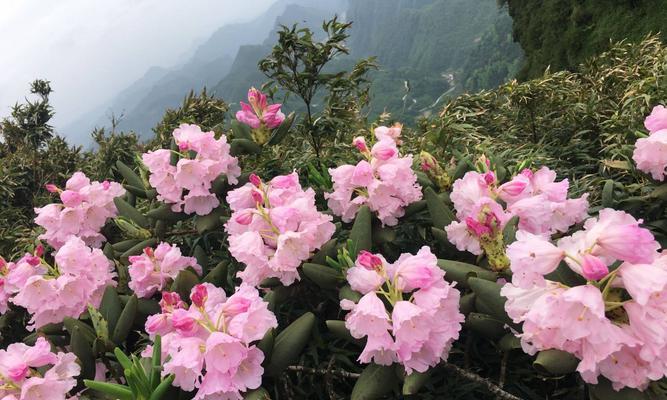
{"x": 424, "y": 320}
{"x": 208, "y": 345}
{"x": 384, "y": 181}
{"x": 85, "y": 208}
{"x": 152, "y": 270}
{"x": 615, "y": 323}
{"x": 274, "y": 227}
{"x": 657, "y": 120}
{"x": 259, "y": 112}
{"x": 389, "y": 132}
{"x": 650, "y": 154}
{"x": 20, "y": 379}
{"x": 51, "y": 293}
{"x": 194, "y": 174}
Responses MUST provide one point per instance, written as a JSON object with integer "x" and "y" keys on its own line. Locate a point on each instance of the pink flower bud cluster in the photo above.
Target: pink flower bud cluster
{"x": 384, "y": 180}
{"x": 536, "y": 198}
{"x": 24, "y": 374}
{"x": 153, "y": 269}
{"x": 614, "y": 320}
{"x": 651, "y": 153}
{"x": 259, "y": 113}
{"x": 424, "y": 321}
{"x": 274, "y": 227}
{"x": 187, "y": 185}
{"x": 208, "y": 345}
{"x": 51, "y": 293}
{"x": 85, "y": 208}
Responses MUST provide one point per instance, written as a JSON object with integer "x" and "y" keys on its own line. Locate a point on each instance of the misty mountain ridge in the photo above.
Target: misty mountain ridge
{"x": 420, "y": 45}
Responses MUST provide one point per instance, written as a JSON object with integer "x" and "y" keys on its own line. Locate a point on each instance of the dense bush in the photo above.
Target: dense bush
{"x": 305, "y": 257}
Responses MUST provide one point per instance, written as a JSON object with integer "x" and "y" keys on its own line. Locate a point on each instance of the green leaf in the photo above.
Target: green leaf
{"x": 416, "y": 207}
{"x": 162, "y": 388}
{"x": 156, "y": 361}
{"x": 266, "y": 345}
{"x": 338, "y": 329}
{"x": 604, "y": 391}
{"x": 131, "y": 213}
{"x": 555, "y": 362}
{"x": 361, "y": 232}
{"x": 125, "y": 321}
{"x": 325, "y": 277}
{"x": 184, "y": 282}
{"x": 347, "y": 293}
{"x": 289, "y": 343}
{"x": 125, "y": 245}
{"x": 375, "y": 382}
{"x": 99, "y": 323}
{"x": 84, "y": 329}
{"x": 415, "y": 381}
{"x": 138, "y": 248}
{"x": 120, "y": 392}
{"x": 244, "y": 146}
{"x": 136, "y": 191}
{"x": 202, "y": 258}
{"x": 110, "y": 307}
{"x": 485, "y": 325}
{"x": 130, "y": 176}
{"x": 218, "y": 275}
{"x": 240, "y": 130}
{"x": 608, "y": 194}
{"x": 441, "y": 214}
{"x": 460, "y": 272}
{"x": 257, "y": 394}
{"x": 164, "y": 212}
{"x": 123, "y": 360}
{"x": 328, "y": 249}
{"x": 509, "y": 342}
{"x": 211, "y": 221}
{"x": 509, "y": 232}
{"x": 280, "y": 132}
{"x": 81, "y": 347}
{"x": 467, "y": 303}
{"x": 488, "y": 293}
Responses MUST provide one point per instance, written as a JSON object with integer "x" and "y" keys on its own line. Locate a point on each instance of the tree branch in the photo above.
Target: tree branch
{"x": 341, "y": 373}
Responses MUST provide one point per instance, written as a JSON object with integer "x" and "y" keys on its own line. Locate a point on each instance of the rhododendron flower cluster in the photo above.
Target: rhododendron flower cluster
{"x": 384, "y": 180}
{"x": 651, "y": 153}
{"x": 187, "y": 185}
{"x": 208, "y": 345}
{"x": 274, "y": 227}
{"x": 614, "y": 321}
{"x": 85, "y": 208}
{"x": 259, "y": 113}
{"x": 424, "y": 319}
{"x": 20, "y": 378}
{"x": 536, "y": 198}
{"x": 154, "y": 268}
{"x": 52, "y": 292}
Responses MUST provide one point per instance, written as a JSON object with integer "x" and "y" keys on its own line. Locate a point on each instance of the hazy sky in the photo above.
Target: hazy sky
{"x": 91, "y": 49}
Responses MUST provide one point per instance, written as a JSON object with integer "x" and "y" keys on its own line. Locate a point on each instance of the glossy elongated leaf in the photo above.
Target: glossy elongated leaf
{"x": 202, "y": 258}
{"x": 281, "y": 132}
{"x": 346, "y": 292}
{"x": 289, "y": 343}
{"x": 325, "y": 277}
{"x": 485, "y": 325}
{"x": 131, "y": 213}
{"x": 125, "y": 320}
{"x": 138, "y": 248}
{"x": 211, "y": 221}
{"x": 328, "y": 249}
{"x": 338, "y": 329}
{"x": 489, "y": 293}
{"x": 608, "y": 193}
{"x": 136, "y": 191}
{"x": 125, "y": 245}
{"x": 81, "y": 347}
{"x": 110, "y": 307}
{"x": 375, "y": 382}
{"x": 85, "y": 330}
{"x": 257, "y": 394}
{"x": 115, "y": 390}
{"x": 184, "y": 282}
{"x": 244, "y": 146}
{"x": 441, "y": 214}
{"x": 165, "y": 212}
{"x": 509, "y": 232}
{"x": 361, "y": 233}
{"x": 266, "y": 345}
{"x": 416, "y": 207}
{"x": 131, "y": 177}
{"x": 460, "y": 272}
{"x": 415, "y": 381}
{"x": 161, "y": 389}
{"x": 555, "y": 362}
{"x": 218, "y": 275}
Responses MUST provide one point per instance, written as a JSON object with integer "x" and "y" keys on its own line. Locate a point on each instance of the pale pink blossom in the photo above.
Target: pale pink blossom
{"x": 532, "y": 257}
{"x": 259, "y": 113}
{"x": 152, "y": 270}
{"x": 650, "y": 154}
{"x": 657, "y": 120}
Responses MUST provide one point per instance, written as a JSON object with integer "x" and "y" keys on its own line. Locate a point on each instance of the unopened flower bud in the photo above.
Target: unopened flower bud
{"x": 51, "y": 188}
{"x": 148, "y": 251}
{"x": 257, "y": 196}
{"x": 360, "y": 143}
{"x": 369, "y": 260}
{"x": 244, "y": 217}
{"x": 39, "y": 251}
{"x": 489, "y": 178}
{"x": 183, "y": 146}
{"x": 199, "y": 295}
{"x": 593, "y": 268}
{"x": 255, "y": 180}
